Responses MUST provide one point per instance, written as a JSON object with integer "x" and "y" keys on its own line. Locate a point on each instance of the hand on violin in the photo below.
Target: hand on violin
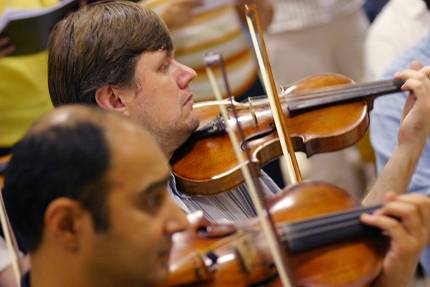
{"x": 415, "y": 120}
{"x": 6, "y": 46}
{"x": 180, "y": 12}
{"x": 406, "y": 220}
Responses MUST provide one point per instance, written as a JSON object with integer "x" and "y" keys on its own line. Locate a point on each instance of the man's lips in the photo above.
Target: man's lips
{"x": 188, "y": 99}
{"x": 165, "y": 254}
{"x": 167, "y": 248}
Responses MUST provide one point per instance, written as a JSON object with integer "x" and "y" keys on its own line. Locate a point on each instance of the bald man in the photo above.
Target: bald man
{"x": 90, "y": 203}
{"x": 92, "y": 206}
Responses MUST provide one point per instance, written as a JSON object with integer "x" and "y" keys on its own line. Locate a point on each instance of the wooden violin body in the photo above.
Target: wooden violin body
{"x": 207, "y": 164}
{"x": 225, "y": 255}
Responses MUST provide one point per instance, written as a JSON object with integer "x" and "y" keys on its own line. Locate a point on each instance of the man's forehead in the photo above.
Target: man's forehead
{"x": 155, "y": 183}
{"x": 161, "y": 53}
{"x": 66, "y": 116}
{"x": 139, "y": 167}
{"x": 126, "y": 141}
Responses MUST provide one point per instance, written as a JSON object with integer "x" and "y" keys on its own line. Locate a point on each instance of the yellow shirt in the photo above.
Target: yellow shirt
{"x": 24, "y": 93}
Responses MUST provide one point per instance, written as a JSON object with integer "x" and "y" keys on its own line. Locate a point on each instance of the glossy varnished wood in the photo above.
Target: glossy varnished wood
{"x": 354, "y": 263}
{"x": 211, "y": 167}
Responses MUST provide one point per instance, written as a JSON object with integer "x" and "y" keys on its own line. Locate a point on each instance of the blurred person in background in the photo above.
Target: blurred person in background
{"x": 373, "y": 7}
{"x": 24, "y": 83}
{"x": 23, "y": 98}
{"x": 399, "y": 26}
{"x": 310, "y": 37}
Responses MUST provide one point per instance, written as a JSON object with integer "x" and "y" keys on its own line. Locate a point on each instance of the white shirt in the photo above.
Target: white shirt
{"x": 399, "y": 26}
{"x": 299, "y": 14}
{"x": 227, "y": 207}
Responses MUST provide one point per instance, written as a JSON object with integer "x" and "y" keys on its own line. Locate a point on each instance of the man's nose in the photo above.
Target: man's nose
{"x": 187, "y": 74}
{"x": 177, "y": 221}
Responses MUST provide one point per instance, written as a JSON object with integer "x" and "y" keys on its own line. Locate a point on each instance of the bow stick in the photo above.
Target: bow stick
{"x": 250, "y": 173}
{"x": 269, "y": 84}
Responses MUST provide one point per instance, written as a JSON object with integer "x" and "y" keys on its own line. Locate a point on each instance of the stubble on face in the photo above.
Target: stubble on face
{"x": 169, "y": 134}
{"x": 159, "y": 100}
{"x": 182, "y": 133}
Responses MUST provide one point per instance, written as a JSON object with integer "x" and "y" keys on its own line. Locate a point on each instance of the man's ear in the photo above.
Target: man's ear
{"x": 108, "y": 98}
{"x": 64, "y": 223}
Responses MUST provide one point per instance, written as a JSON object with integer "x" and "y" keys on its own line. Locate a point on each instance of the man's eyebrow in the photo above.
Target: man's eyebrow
{"x": 168, "y": 54}
{"x": 164, "y": 57}
{"x": 157, "y": 184}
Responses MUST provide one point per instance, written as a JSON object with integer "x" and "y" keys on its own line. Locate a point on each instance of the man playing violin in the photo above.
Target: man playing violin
{"x": 92, "y": 206}
{"x": 89, "y": 203}
{"x": 134, "y": 73}
{"x": 130, "y": 68}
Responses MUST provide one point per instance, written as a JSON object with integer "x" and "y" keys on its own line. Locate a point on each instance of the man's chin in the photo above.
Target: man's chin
{"x": 192, "y": 125}
{"x": 162, "y": 274}
{"x": 186, "y": 132}
{"x": 195, "y": 122}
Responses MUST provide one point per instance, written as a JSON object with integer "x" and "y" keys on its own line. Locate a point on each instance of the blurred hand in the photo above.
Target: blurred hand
{"x": 6, "y": 46}
{"x": 180, "y": 12}
{"x": 406, "y": 220}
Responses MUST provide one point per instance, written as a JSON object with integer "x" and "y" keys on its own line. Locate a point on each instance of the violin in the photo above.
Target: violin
{"x": 323, "y": 237}
{"x": 324, "y": 113}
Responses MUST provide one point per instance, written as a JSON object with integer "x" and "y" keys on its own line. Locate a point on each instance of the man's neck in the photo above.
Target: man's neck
{"x": 52, "y": 271}
{"x": 168, "y": 152}
{"x": 168, "y": 155}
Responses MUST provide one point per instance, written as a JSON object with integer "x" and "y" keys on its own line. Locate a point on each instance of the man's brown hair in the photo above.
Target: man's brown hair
{"x": 100, "y": 45}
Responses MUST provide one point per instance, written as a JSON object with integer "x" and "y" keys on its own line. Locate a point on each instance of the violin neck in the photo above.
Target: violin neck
{"x": 342, "y": 94}
{"x": 316, "y": 232}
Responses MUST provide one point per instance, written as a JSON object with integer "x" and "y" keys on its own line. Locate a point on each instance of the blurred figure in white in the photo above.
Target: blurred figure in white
{"x": 309, "y": 37}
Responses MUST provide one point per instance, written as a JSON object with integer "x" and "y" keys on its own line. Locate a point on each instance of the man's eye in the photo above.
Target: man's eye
{"x": 153, "y": 200}
{"x": 164, "y": 67}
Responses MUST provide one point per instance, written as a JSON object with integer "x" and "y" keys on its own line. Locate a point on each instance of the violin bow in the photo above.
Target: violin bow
{"x": 10, "y": 239}
{"x": 272, "y": 93}
{"x": 250, "y": 173}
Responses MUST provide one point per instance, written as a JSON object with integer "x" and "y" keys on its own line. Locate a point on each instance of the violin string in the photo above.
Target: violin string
{"x": 327, "y": 229}
{"x": 344, "y": 88}
{"x": 359, "y": 89}
{"x": 343, "y": 94}
{"x": 328, "y": 91}
{"x": 325, "y": 224}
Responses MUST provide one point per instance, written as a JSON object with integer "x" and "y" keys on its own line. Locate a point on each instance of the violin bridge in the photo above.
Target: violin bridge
{"x": 245, "y": 251}
{"x": 201, "y": 271}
